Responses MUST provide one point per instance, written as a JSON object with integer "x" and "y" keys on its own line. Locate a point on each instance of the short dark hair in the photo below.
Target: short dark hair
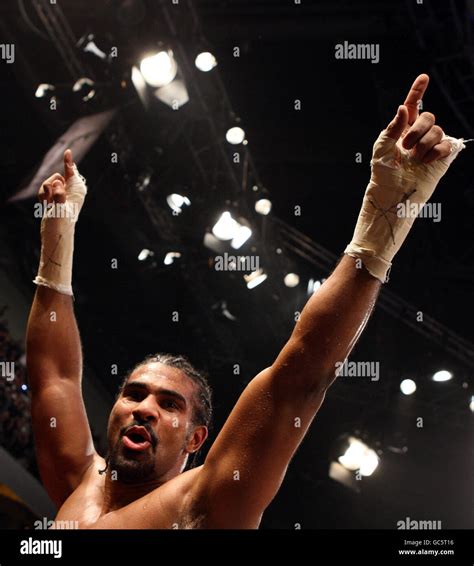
{"x": 202, "y": 406}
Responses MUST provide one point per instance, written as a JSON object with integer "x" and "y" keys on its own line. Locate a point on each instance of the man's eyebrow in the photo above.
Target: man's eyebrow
{"x": 159, "y": 391}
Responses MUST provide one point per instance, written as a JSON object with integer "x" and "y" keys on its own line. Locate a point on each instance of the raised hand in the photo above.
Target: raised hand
{"x": 418, "y": 133}
{"x": 53, "y": 190}
{"x": 409, "y": 158}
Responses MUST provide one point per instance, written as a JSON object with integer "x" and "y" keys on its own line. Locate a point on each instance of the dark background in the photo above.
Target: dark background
{"x": 302, "y": 158}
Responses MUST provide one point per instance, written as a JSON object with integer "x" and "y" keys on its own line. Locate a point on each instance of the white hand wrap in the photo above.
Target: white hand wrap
{"x": 57, "y": 237}
{"x": 396, "y": 176}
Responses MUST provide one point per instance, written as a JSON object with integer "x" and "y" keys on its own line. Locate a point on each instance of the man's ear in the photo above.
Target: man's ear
{"x": 196, "y": 438}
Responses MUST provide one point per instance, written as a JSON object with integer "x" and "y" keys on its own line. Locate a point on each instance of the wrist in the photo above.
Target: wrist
{"x": 57, "y": 248}
{"x": 57, "y": 238}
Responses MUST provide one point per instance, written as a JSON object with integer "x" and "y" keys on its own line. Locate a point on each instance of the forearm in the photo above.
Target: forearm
{"x": 53, "y": 342}
{"x": 409, "y": 158}
{"x": 329, "y": 325}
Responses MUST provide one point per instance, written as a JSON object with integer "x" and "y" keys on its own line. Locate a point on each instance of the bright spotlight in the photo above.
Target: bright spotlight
{"x": 43, "y": 89}
{"x": 144, "y": 254}
{"x": 408, "y": 386}
{"x": 291, "y": 279}
{"x": 359, "y": 456}
{"x": 85, "y": 88}
{"x": 205, "y": 61}
{"x": 170, "y": 257}
{"x": 176, "y": 202}
{"x": 24, "y": 387}
{"x": 471, "y": 404}
{"x": 263, "y": 206}
{"x": 442, "y": 375}
{"x": 352, "y": 458}
{"x": 226, "y": 227}
{"x": 242, "y": 235}
{"x": 159, "y": 69}
{"x": 235, "y": 135}
{"x": 255, "y": 278}
{"x": 369, "y": 464}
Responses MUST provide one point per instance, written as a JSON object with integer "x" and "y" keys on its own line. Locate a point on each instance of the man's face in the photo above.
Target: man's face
{"x": 150, "y": 427}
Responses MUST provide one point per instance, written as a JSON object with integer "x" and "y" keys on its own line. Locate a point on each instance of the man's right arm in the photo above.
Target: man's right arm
{"x": 63, "y": 440}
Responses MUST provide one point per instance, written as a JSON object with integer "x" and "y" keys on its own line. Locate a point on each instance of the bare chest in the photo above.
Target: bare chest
{"x": 161, "y": 509}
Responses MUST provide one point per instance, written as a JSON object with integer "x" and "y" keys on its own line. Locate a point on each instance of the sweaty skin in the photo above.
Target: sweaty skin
{"x": 248, "y": 460}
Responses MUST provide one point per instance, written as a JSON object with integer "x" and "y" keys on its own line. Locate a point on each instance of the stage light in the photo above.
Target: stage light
{"x": 235, "y": 135}
{"x": 176, "y": 202}
{"x": 359, "y": 456}
{"x": 255, "y": 278}
{"x": 408, "y": 386}
{"x": 226, "y": 227}
{"x": 471, "y": 404}
{"x": 205, "y": 61}
{"x": 369, "y": 463}
{"x": 144, "y": 254}
{"x": 291, "y": 279}
{"x": 242, "y": 235}
{"x": 88, "y": 45}
{"x": 160, "y": 69}
{"x": 442, "y": 375}
{"x": 352, "y": 458}
{"x": 313, "y": 286}
{"x": 24, "y": 387}
{"x": 170, "y": 257}
{"x": 263, "y": 206}
{"x": 44, "y": 89}
{"x": 85, "y": 88}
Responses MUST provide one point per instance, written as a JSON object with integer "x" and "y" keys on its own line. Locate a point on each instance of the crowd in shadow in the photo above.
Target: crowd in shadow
{"x": 16, "y": 435}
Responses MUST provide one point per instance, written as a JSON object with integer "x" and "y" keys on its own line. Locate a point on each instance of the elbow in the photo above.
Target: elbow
{"x": 308, "y": 376}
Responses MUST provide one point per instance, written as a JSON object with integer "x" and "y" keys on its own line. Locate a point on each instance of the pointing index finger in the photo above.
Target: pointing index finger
{"x": 68, "y": 164}
{"x": 416, "y": 93}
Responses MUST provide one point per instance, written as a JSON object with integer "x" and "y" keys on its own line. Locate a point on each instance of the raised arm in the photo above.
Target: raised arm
{"x": 247, "y": 463}
{"x": 63, "y": 440}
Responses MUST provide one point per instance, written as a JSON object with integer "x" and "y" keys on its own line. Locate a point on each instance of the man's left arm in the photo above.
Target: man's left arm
{"x": 246, "y": 465}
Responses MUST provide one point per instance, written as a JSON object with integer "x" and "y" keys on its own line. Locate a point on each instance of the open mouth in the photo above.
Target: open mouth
{"x": 137, "y": 438}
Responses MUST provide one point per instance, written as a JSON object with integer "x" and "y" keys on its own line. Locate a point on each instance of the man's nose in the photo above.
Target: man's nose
{"x": 146, "y": 410}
